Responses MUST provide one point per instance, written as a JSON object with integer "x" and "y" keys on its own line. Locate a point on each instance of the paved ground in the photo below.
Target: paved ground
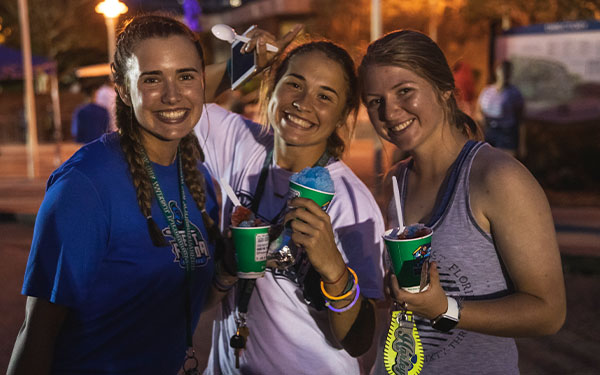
{"x": 574, "y": 350}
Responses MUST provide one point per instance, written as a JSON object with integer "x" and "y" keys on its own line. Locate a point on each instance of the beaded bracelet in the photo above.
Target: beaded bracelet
{"x": 349, "y": 288}
{"x": 344, "y": 294}
{"x": 345, "y": 308}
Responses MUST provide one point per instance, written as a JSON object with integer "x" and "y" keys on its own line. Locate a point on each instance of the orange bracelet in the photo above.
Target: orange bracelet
{"x": 345, "y": 295}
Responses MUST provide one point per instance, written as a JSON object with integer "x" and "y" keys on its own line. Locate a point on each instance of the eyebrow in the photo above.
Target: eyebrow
{"x": 392, "y": 88}
{"x": 400, "y": 84}
{"x": 158, "y": 72}
{"x": 327, "y": 88}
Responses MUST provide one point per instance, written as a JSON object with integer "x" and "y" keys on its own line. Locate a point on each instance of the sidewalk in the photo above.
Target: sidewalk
{"x": 20, "y": 195}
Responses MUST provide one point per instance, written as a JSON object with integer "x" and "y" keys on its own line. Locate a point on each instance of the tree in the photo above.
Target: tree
{"x": 67, "y": 31}
{"x": 527, "y": 12}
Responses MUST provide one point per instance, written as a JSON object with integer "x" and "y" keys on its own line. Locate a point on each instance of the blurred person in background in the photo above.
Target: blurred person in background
{"x": 500, "y": 109}
{"x": 106, "y": 96}
{"x": 89, "y": 120}
{"x": 465, "y": 86}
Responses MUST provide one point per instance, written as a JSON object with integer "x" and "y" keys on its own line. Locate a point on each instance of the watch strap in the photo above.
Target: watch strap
{"x": 449, "y": 319}
{"x": 453, "y": 308}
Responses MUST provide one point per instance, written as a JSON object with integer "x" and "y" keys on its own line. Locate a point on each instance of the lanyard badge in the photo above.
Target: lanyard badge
{"x": 403, "y": 352}
{"x": 188, "y": 253}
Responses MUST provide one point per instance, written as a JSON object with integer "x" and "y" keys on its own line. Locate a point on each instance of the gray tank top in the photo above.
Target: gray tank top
{"x": 469, "y": 267}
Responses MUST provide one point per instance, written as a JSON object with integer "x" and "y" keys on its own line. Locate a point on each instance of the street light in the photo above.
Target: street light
{"x": 111, "y": 9}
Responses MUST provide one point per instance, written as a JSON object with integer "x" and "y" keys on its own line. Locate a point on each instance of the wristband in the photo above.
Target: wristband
{"x": 220, "y": 286}
{"x": 344, "y": 294}
{"x": 345, "y": 308}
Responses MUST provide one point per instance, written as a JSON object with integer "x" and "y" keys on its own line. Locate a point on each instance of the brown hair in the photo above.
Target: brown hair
{"x": 415, "y": 51}
{"x": 133, "y": 32}
{"x": 335, "y": 142}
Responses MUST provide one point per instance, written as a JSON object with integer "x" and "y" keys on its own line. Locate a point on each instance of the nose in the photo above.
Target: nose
{"x": 388, "y": 111}
{"x": 301, "y": 103}
{"x": 171, "y": 94}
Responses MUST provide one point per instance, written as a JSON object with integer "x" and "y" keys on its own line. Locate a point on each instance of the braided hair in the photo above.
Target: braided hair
{"x": 133, "y": 32}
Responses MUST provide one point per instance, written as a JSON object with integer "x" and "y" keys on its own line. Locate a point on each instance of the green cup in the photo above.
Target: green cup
{"x": 321, "y": 198}
{"x": 251, "y": 246}
{"x": 408, "y": 256}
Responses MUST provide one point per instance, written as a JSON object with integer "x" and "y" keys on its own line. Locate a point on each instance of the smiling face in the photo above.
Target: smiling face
{"x": 308, "y": 102}
{"x": 403, "y": 107}
{"x": 165, "y": 88}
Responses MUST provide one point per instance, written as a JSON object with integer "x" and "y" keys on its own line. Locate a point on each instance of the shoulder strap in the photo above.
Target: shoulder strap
{"x": 260, "y": 188}
{"x": 451, "y": 182}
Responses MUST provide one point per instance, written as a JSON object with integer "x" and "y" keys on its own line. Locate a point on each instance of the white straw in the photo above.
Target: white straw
{"x": 398, "y": 207}
{"x": 225, "y": 186}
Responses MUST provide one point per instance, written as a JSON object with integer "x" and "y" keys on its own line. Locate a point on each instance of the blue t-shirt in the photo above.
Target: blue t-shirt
{"x": 92, "y": 252}
{"x": 89, "y": 122}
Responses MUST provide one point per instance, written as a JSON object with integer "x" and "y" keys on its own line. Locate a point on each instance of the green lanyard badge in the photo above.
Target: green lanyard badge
{"x": 186, "y": 248}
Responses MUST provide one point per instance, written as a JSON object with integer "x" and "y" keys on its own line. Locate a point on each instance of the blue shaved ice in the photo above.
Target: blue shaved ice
{"x": 317, "y": 178}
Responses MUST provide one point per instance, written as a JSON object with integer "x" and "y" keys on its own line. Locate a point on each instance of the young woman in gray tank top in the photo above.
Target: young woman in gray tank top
{"x": 497, "y": 271}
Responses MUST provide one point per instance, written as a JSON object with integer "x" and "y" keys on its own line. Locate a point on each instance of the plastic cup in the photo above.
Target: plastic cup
{"x": 322, "y": 198}
{"x": 408, "y": 256}
{"x": 251, "y": 246}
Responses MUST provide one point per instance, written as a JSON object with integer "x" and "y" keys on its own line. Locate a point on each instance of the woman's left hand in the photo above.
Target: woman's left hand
{"x": 313, "y": 231}
{"x": 427, "y": 304}
{"x": 259, "y": 39}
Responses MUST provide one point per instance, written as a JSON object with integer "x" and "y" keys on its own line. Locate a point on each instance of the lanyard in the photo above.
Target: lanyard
{"x": 246, "y": 286}
{"x": 264, "y": 172}
{"x": 448, "y": 185}
{"x": 186, "y": 247}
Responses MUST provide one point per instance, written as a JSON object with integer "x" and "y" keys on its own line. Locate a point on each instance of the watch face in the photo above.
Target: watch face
{"x": 444, "y": 324}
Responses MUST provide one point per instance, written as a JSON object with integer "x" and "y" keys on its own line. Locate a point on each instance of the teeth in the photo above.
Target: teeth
{"x": 172, "y": 115}
{"x": 402, "y": 125}
{"x": 299, "y": 121}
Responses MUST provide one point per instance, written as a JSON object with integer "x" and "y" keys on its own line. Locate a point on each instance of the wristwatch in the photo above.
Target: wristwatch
{"x": 448, "y": 320}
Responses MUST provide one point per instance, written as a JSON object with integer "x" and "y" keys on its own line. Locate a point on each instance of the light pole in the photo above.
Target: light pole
{"x": 30, "y": 117}
{"x": 111, "y": 9}
{"x": 376, "y": 27}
